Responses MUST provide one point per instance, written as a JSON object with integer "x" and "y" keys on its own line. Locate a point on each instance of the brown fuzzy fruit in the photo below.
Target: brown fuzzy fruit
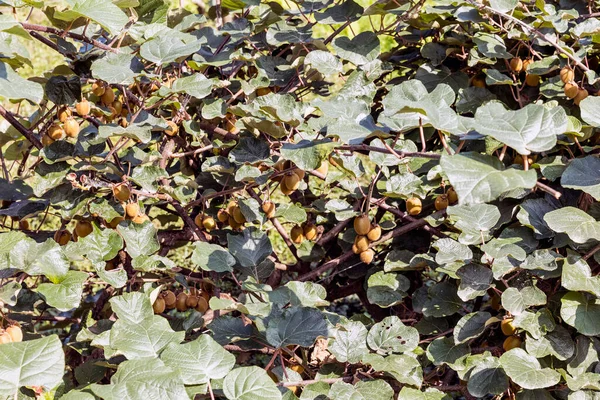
{"x": 362, "y": 224}
{"x": 263, "y": 91}
{"x": 173, "y": 129}
{"x": 233, "y": 223}
{"x": 222, "y": 215}
{"x": 140, "y": 219}
{"x": 83, "y": 108}
{"x": 291, "y": 181}
{"x": 202, "y": 305}
{"x": 4, "y": 337}
{"x": 132, "y": 210}
{"x": 478, "y": 81}
{"x": 64, "y": 113}
{"x": 362, "y": 243}
{"x": 268, "y": 208}
{"x": 238, "y": 216}
{"x": 355, "y": 249}
{"x": 567, "y": 75}
{"x": 571, "y": 90}
{"x": 375, "y": 233}
{"x": 198, "y": 220}
{"x": 47, "y": 140}
{"x": 516, "y": 64}
{"x": 297, "y": 234}
{"x": 324, "y": 168}
{"x": 511, "y": 342}
{"x": 62, "y": 237}
{"x": 159, "y": 306}
{"x": 367, "y": 256}
{"x": 56, "y": 132}
{"x": 118, "y": 106}
{"x": 310, "y": 231}
{"x": 71, "y": 127}
{"x": 441, "y": 202}
{"x": 231, "y": 205}
{"x": 170, "y": 298}
{"x": 98, "y": 88}
{"x": 452, "y": 196}
{"x": 209, "y": 223}
{"x": 83, "y": 228}
{"x": 300, "y": 172}
{"x": 507, "y": 327}
{"x": 532, "y": 80}
{"x": 581, "y": 94}
{"x": 24, "y": 225}
{"x": 108, "y": 97}
{"x": 526, "y": 63}
{"x": 113, "y": 223}
{"x": 180, "y": 304}
{"x": 15, "y": 333}
{"x": 192, "y": 301}
{"x": 414, "y": 206}
{"x": 121, "y": 192}
{"x": 284, "y": 189}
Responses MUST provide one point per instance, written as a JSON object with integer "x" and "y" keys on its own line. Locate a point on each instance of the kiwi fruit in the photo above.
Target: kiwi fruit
{"x": 367, "y": 256}
{"x": 516, "y": 64}
{"x": 414, "y": 206}
{"x": 121, "y": 192}
{"x": 181, "y": 301}
{"x": 132, "y": 210}
{"x": 362, "y": 224}
{"x": 310, "y": 231}
{"x": 268, "y": 208}
{"x": 297, "y": 234}
{"x": 362, "y": 243}
{"x": 83, "y": 108}
{"x": 62, "y": 237}
{"x": 441, "y": 202}
{"x": 159, "y": 306}
{"x": 375, "y": 233}
{"x": 169, "y": 298}
{"x": 71, "y": 127}
{"x": 83, "y": 228}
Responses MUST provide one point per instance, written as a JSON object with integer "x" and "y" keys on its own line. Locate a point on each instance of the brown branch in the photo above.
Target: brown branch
{"x": 20, "y": 127}
{"x": 337, "y": 261}
{"x": 548, "y": 189}
{"x": 51, "y": 44}
{"x": 192, "y": 152}
{"x": 60, "y": 32}
{"x": 591, "y": 252}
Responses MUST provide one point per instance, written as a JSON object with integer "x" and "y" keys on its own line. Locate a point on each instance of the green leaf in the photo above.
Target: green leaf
{"x": 363, "y": 390}
{"x": 9, "y": 292}
{"x": 13, "y": 87}
{"x": 392, "y": 336}
{"x": 104, "y": 12}
{"x": 212, "y": 257}
{"x": 290, "y": 213}
{"x": 576, "y": 223}
{"x": 491, "y": 45}
{"x": 533, "y": 128}
{"x": 134, "y": 131}
{"x": 487, "y": 377}
{"x": 46, "y": 259}
{"x": 442, "y": 300}
{"x": 147, "y": 176}
{"x": 63, "y": 90}
{"x": 474, "y": 221}
{"x": 66, "y": 294}
{"x": 471, "y": 326}
{"x": 557, "y": 343}
{"x": 38, "y": 362}
{"x": 349, "y": 342}
{"x": 100, "y": 245}
{"x": 324, "y": 62}
{"x": 204, "y": 359}
{"x": 583, "y": 174}
{"x": 577, "y": 276}
{"x": 516, "y": 301}
{"x": 480, "y": 178}
{"x": 404, "y": 368}
{"x": 450, "y": 250}
{"x": 307, "y": 294}
{"x": 117, "y": 68}
{"x": 581, "y": 312}
{"x": 297, "y": 326}
{"x": 589, "y": 110}
{"x": 306, "y": 154}
{"x": 250, "y": 248}
{"x": 196, "y": 85}
{"x": 429, "y": 394}
{"x": 250, "y": 383}
{"x": 250, "y": 150}
{"x": 387, "y": 289}
{"x": 142, "y": 379}
{"x": 168, "y": 48}
{"x": 138, "y": 333}
{"x": 140, "y": 239}
{"x": 359, "y": 50}
{"x": 444, "y": 351}
{"x": 526, "y": 371}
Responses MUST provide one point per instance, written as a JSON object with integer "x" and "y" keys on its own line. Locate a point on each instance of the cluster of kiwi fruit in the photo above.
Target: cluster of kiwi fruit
{"x": 517, "y": 65}
{"x": 509, "y": 329}
{"x": 122, "y": 193}
{"x": 168, "y": 300}
{"x": 65, "y": 124}
{"x": 571, "y": 89}
{"x": 12, "y": 334}
{"x": 414, "y": 205}
{"x": 307, "y": 230}
{"x": 366, "y": 233}
{"x": 290, "y": 181}
{"x": 230, "y": 215}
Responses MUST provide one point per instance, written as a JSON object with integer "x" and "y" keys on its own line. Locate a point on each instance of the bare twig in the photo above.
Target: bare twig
{"x": 20, "y": 127}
